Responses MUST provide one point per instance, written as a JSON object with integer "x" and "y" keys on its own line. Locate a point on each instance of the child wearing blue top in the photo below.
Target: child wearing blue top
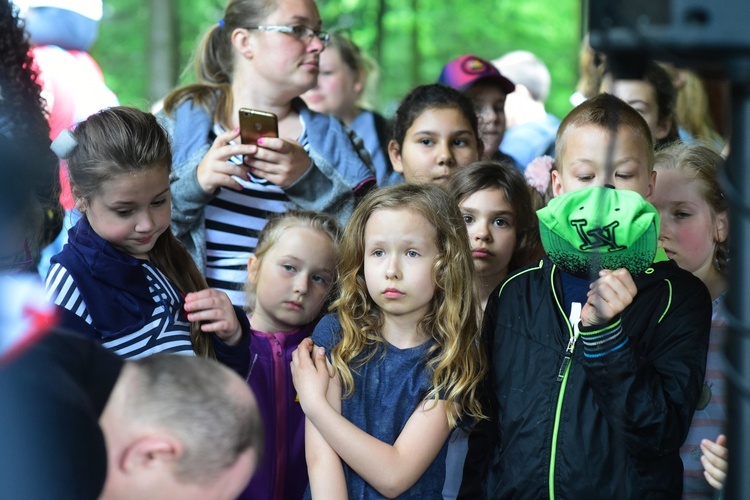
{"x": 405, "y": 361}
{"x": 123, "y": 278}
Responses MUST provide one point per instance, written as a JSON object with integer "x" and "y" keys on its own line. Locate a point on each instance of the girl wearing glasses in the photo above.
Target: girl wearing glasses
{"x": 262, "y": 55}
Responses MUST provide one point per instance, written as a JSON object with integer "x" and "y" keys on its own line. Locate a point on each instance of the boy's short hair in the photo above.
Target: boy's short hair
{"x": 607, "y": 112}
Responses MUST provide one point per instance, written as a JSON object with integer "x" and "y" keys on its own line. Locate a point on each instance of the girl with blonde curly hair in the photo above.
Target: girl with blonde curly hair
{"x": 403, "y": 350}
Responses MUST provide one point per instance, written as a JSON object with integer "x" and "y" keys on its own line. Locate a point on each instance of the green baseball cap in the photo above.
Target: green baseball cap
{"x": 597, "y": 228}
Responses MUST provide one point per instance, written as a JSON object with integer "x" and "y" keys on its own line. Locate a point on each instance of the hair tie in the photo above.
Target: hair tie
{"x": 64, "y": 144}
{"x": 221, "y": 23}
{"x": 538, "y": 174}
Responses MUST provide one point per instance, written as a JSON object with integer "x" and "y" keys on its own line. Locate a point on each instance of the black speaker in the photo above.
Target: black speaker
{"x": 689, "y": 30}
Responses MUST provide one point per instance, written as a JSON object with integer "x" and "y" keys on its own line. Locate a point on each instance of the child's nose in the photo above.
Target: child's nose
{"x": 445, "y": 156}
{"x": 145, "y": 222}
{"x": 300, "y": 284}
{"x": 481, "y": 232}
{"x": 393, "y": 270}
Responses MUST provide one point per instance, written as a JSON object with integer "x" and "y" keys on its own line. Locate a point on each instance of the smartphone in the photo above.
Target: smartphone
{"x": 255, "y": 124}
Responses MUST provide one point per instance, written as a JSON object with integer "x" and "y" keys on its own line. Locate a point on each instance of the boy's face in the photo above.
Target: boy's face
{"x": 583, "y": 161}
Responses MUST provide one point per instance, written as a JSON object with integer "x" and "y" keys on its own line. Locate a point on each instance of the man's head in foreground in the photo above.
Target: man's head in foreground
{"x": 179, "y": 427}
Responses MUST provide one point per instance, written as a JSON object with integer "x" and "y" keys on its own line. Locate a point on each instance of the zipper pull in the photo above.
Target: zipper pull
{"x": 566, "y": 360}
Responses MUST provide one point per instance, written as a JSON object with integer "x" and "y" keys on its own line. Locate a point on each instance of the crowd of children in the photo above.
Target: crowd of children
{"x": 419, "y": 321}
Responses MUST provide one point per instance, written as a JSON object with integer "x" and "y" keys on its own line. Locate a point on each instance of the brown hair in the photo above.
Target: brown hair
{"x": 507, "y": 179}
{"x": 123, "y": 140}
{"x": 214, "y": 60}
{"x": 609, "y": 113}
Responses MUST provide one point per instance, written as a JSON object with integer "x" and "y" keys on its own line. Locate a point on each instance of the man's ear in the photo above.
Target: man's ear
{"x": 253, "y": 265}
{"x": 151, "y": 453}
{"x": 394, "y": 151}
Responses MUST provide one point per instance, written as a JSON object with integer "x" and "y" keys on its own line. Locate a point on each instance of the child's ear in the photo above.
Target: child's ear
{"x": 81, "y": 204}
{"x": 252, "y": 269}
{"x": 556, "y": 182}
{"x": 394, "y": 151}
{"x": 721, "y": 225}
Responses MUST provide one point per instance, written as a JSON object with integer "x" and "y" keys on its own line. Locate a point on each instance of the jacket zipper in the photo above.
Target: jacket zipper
{"x": 562, "y": 377}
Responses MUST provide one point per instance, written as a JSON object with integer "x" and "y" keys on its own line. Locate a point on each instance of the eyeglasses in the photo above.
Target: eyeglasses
{"x": 300, "y": 32}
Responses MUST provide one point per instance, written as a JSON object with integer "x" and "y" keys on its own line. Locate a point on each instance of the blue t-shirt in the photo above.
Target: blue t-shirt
{"x": 387, "y": 390}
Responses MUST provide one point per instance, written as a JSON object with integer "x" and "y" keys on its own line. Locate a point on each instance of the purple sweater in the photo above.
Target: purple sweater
{"x": 282, "y": 473}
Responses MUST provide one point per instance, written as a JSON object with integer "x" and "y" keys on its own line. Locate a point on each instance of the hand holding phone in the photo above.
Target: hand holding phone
{"x": 255, "y": 124}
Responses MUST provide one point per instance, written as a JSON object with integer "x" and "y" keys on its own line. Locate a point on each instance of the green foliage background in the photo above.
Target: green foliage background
{"x": 439, "y": 29}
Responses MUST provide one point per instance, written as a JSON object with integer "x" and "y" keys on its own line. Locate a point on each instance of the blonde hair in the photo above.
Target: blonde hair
{"x": 702, "y": 163}
{"x": 456, "y": 360}
{"x": 692, "y": 110}
{"x": 120, "y": 141}
{"x": 214, "y": 61}
{"x": 359, "y": 63}
{"x": 274, "y": 230}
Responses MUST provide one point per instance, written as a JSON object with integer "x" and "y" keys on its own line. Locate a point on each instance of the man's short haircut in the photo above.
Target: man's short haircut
{"x": 524, "y": 68}
{"x": 606, "y": 112}
{"x": 194, "y": 399}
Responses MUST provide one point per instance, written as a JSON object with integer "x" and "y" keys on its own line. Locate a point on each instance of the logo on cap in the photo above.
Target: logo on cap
{"x": 598, "y": 237}
{"x": 473, "y": 65}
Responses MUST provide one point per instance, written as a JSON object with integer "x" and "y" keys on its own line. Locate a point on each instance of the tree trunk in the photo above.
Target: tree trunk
{"x": 163, "y": 53}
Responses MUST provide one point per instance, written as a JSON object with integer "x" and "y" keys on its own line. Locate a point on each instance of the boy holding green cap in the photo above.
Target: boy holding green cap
{"x": 597, "y": 354}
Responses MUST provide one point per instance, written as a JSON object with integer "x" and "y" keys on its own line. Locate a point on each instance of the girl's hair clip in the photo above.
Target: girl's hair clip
{"x": 221, "y": 23}
{"x": 64, "y": 144}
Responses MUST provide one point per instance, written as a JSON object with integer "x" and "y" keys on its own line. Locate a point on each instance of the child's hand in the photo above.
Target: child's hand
{"x": 279, "y": 161}
{"x": 608, "y": 297}
{"x": 214, "y": 171}
{"x": 310, "y": 375}
{"x": 215, "y": 310}
{"x": 714, "y": 460}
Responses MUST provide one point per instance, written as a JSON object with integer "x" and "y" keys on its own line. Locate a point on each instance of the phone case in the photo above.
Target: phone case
{"x": 255, "y": 124}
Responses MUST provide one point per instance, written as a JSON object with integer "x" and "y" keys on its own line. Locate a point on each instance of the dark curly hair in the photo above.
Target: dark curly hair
{"x": 23, "y": 118}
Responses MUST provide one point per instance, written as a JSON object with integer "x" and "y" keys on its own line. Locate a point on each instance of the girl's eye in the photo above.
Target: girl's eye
{"x": 319, "y": 279}
{"x": 325, "y": 73}
{"x": 412, "y": 253}
{"x": 378, "y": 253}
{"x": 426, "y": 142}
{"x": 585, "y": 178}
{"x": 123, "y": 213}
{"x": 159, "y": 203}
{"x": 468, "y": 219}
{"x": 624, "y": 175}
{"x": 500, "y": 222}
{"x": 461, "y": 142}
{"x": 288, "y": 267}
{"x": 683, "y": 215}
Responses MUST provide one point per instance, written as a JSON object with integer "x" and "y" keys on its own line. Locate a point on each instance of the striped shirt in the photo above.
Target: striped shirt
{"x": 234, "y": 220}
{"x": 168, "y": 330}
